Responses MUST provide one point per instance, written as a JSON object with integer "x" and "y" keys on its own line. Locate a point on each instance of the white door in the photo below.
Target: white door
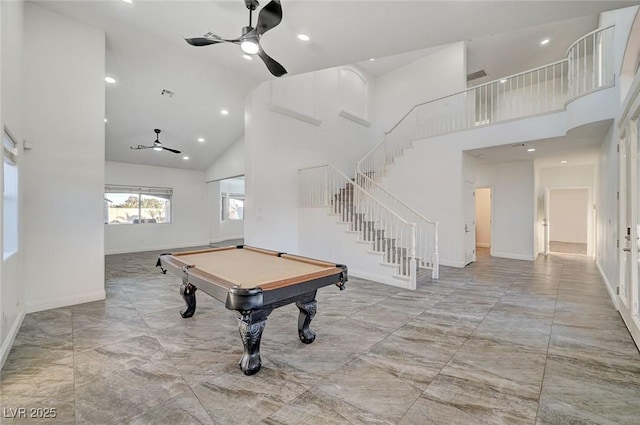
{"x": 469, "y": 223}
{"x": 546, "y": 225}
{"x": 629, "y": 235}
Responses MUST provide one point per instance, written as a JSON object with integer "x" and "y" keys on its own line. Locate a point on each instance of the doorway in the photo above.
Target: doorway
{"x": 226, "y": 205}
{"x": 483, "y": 220}
{"x": 568, "y": 220}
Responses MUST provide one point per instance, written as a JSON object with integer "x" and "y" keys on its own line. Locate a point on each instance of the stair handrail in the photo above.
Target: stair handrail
{"x": 438, "y": 99}
{"x": 391, "y": 195}
{"x": 376, "y": 200}
{"x": 434, "y": 260}
{"x": 326, "y": 186}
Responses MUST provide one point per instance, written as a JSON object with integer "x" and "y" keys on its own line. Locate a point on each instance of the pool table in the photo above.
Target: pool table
{"x": 253, "y": 282}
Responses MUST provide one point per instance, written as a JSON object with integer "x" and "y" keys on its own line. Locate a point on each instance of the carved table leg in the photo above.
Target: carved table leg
{"x": 188, "y": 292}
{"x": 251, "y": 327}
{"x": 307, "y": 312}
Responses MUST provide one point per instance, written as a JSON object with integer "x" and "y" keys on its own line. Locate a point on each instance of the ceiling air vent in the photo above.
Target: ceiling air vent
{"x": 166, "y": 92}
{"x": 476, "y": 75}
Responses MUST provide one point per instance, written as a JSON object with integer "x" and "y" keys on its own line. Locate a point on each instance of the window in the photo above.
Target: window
{"x": 232, "y": 206}
{"x": 10, "y": 196}
{"x": 137, "y": 205}
{"x": 236, "y": 207}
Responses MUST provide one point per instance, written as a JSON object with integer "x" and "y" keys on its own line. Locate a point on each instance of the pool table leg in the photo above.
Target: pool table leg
{"x": 307, "y": 312}
{"x": 251, "y": 326}
{"x": 188, "y": 292}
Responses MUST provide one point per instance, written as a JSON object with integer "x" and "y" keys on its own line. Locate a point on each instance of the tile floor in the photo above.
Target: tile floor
{"x": 499, "y": 342}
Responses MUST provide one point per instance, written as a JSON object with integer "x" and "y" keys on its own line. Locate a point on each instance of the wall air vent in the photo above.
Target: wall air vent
{"x": 476, "y": 75}
{"x": 166, "y": 92}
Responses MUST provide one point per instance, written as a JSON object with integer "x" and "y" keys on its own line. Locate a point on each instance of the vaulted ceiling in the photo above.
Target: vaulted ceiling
{"x": 146, "y": 54}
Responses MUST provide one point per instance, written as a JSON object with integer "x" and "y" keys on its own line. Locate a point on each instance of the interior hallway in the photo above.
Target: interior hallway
{"x": 500, "y": 341}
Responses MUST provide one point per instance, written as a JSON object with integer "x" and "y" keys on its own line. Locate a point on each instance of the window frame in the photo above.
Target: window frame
{"x": 140, "y": 191}
{"x": 10, "y": 159}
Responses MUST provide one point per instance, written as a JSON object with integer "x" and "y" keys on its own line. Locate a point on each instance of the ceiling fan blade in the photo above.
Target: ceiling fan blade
{"x": 272, "y": 65}
{"x": 140, "y": 147}
{"x": 205, "y": 40}
{"x": 201, "y": 41}
{"x": 171, "y": 150}
{"x": 269, "y": 17}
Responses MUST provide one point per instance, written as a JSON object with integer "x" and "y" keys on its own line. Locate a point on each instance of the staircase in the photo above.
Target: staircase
{"x": 375, "y": 225}
{"x": 344, "y": 206}
{"x": 406, "y": 239}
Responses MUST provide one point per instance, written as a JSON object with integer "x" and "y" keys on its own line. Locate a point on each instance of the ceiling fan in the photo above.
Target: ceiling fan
{"x": 269, "y": 17}
{"x": 157, "y": 146}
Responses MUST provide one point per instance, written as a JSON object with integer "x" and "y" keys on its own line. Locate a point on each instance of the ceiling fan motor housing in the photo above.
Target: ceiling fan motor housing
{"x": 251, "y": 4}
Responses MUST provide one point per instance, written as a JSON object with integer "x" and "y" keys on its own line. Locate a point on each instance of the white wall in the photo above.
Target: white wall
{"x": 441, "y": 73}
{"x": 11, "y": 287}
{"x": 623, "y": 20}
{"x": 513, "y": 207}
{"x": 283, "y": 134}
{"x": 190, "y": 224}
{"x": 568, "y": 215}
{"x": 229, "y": 164}
{"x": 631, "y": 57}
{"x": 483, "y": 217}
{"x": 64, "y": 100}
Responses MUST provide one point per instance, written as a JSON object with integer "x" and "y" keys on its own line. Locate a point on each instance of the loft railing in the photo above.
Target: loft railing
{"x": 591, "y": 62}
{"x": 386, "y": 231}
{"x": 588, "y": 67}
{"x": 427, "y": 230}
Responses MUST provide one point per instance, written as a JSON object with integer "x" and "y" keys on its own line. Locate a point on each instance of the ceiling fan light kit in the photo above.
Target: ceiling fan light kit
{"x": 269, "y": 17}
{"x": 157, "y": 146}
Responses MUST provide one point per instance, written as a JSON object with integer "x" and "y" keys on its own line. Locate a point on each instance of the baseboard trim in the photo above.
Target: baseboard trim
{"x": 387, "y": 280}
{"x": 607, "y": 284}
{"x": 65, "y": 301}
{"x": 5, "y": 348}
{"x": 512, "y": 256}
{"x": 450, "y": 263}
{"x": 154, "y": 248}
{"x": 226, "y": 239}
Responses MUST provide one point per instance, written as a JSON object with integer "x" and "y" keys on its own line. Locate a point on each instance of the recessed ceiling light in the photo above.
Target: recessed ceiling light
{"x": 564, "y": 161}
{"x": 545, "y": 41}
{"x": 247, "y": 57}
{"x": 185, "y": 157}
{"x": 224, "y": 112}
{"x": 105, "y": 120}
{"x": 372, "y": 59}
{"x": 303, "y": 37}
{"x": 531, "y": 150}
{"x": 110, "y": 80}
{"x": 200, "y": 139}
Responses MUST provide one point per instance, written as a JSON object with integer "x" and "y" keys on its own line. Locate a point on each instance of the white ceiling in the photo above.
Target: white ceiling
{"x": 146, "y": 53}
